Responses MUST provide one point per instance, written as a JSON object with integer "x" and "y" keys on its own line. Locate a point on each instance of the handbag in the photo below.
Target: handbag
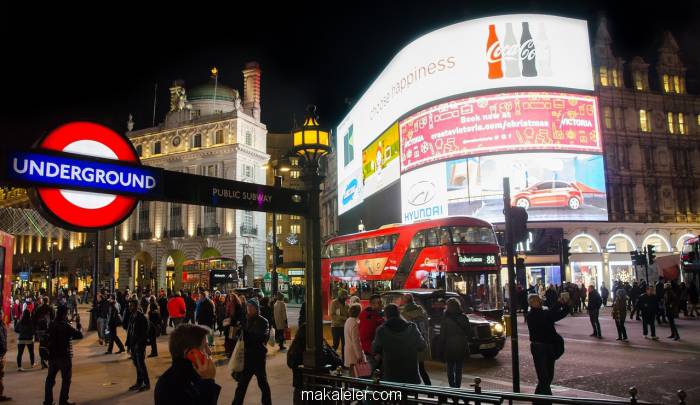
{"x": 235, "y": 364}
{"x": 558, "y": 347}
{"x": 271, "y": 340}
{"x": 361, "y": 370}
{"x": 287, "y": 334}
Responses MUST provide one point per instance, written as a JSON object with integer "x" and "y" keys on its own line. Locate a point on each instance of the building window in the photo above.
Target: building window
{"x": 682, "y": 85}
{"x": 197, "y": 141}
{"x": 677, "y": 84}
{"x": 139, "y": 150}
{"x": 209, "y": 217}
{"x": 671, "y": 126}
{"x": 248, "y": 171}
{"x": 248, "y": 138}
{"x": 219, "y": 137}
{"x": 175, "y": 223}
{"x": 143, "y": 217}
{"x": 279, "y": 230}
{"x": 615, "y": 81}
{"x": 248, "y": 219}
{"x": 295, "y": 228}
{"x": 682, "y": 129}
{"x": 279, "y": 217}
{"x": 295, "y": 217}
{"x": 211, "y": 171}
{"x": 697, "y": 118}
{"x": 604, "y": 76}
{"x": 294, "y": 161}
{"x": 619, "y": 119}
{"x": 607, "y": 117}
{"x": 644, "y": 125}
{"x": 638, "y": 80}
{"x": 667, "y": 84}
{"x": 156, "y": 148}
{"x": 294, "y": 174}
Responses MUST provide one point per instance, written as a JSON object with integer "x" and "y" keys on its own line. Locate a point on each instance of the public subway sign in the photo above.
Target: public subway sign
{"x": 84, "y": 176}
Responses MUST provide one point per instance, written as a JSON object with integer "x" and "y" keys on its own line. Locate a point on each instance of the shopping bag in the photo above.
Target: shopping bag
{"x": 361, "y": 370}
{"x": 271, "y": 340}
{"x": 287, "y": 334}
{"x": 235, "y": 364}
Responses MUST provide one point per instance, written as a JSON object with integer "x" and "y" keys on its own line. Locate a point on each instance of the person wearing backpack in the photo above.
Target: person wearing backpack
{"x": 114, "y": 319}
{"x": 154, "y": 323}
{"x": 43, "y": 316}
{"x": 136, "y": 342}
{"x": 60, "y": 356}
{"x": 454, "y": 340}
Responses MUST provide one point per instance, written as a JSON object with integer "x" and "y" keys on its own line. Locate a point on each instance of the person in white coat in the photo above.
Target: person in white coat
{"x": 353, "y": 348}
{"x": 280, "y": 315}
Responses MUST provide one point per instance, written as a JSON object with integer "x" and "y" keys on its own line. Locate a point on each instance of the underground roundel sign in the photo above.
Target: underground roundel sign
{"x": 85, "y": 209}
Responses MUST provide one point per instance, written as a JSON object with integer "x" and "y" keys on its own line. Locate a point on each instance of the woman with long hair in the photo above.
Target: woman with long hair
{"x": 25, "y": 338}
{"x": 454, "y": 338}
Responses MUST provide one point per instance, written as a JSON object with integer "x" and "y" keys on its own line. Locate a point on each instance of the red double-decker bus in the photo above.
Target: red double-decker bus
{"x": 459, "y": 254}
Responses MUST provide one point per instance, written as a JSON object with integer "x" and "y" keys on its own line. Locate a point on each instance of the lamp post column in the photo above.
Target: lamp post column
{"x": 314, "y": 324}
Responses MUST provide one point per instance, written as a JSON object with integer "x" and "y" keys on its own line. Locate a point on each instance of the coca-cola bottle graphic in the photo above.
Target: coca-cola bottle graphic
{"x": 544, "y": 52}
{"x": 494, "y": 54}
{"x": 511, "y": 53}
{"x": 527, "y": 52}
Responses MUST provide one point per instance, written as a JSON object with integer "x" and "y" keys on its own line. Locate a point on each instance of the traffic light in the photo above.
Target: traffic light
{"x": 651, "y": 254}
{"x": 518, "y": 224}
{"x": 633, "y": 257}
{"x": 279, "y": 256}
{"x": 565, "y": 252}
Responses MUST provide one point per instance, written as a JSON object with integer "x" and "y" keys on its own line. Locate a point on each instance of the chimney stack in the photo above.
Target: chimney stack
{"x": 251, "y": 89}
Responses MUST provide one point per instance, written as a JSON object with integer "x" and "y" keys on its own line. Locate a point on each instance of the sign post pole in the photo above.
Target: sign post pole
{"x": 510, "y": 252}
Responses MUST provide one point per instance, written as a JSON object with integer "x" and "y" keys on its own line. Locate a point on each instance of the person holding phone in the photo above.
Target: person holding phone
{"x": 190, "y": 378}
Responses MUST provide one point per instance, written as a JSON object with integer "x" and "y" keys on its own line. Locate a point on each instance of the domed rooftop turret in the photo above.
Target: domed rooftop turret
{"x": 206, "y": 92}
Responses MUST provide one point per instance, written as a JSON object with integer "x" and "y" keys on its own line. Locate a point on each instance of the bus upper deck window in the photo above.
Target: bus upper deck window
{"x": 444, "y": 234}
{"x": 432, "y": 237}
{"x": 418, "y": 240}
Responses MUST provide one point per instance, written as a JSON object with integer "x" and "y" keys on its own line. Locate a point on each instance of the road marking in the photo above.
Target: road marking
{"x": 625, "y": 345}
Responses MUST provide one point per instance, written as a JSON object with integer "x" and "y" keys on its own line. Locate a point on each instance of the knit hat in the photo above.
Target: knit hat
{"x": 254, "y": 302}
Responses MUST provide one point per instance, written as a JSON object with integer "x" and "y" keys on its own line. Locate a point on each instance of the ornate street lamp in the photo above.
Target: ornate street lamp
{"x": 311, "y": 143}
{"x": 114, "y": 248}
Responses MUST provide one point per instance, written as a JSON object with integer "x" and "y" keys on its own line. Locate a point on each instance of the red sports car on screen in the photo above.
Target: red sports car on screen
{"x": 552, "y": 193}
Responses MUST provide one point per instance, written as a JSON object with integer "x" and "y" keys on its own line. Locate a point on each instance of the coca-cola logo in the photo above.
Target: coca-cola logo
{"x": 494, "y": 52}
{"x": 527, "y": 50}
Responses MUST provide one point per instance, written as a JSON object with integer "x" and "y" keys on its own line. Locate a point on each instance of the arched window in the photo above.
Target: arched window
{"x": 660, "y": 243}
{"x": 620, "y": 243}
{"x": 604, "y": 76}
{"x": 197, "y": 141}
{"x": 681, "y": 240}
{"x": 584, "y": 244}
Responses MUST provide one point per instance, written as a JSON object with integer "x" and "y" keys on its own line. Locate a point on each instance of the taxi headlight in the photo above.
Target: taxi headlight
{"x": 497, "y": 328}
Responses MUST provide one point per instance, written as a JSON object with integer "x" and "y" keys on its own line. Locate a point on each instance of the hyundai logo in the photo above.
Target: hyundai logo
{"x": 421, "y": 193}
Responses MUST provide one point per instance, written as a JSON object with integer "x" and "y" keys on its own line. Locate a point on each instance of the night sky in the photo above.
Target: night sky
{"x": 67, "y": 64}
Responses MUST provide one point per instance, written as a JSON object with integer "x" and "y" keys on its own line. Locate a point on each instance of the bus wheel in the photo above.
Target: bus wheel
{"x": 489, "y": 354}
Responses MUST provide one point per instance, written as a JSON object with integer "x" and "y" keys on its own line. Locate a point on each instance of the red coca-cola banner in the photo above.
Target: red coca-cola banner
{"x": 528, "y": 121}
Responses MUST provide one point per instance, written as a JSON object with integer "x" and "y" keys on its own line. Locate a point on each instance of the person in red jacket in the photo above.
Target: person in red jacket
{"x": 370, "y": 319}
{"x": 176, "y": 308}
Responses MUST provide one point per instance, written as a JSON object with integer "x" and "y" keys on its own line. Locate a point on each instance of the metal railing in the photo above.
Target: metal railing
{"x": 141, "y": 235}
{"x": 208, "y": 230}
{"x": 427, "y": 394}
{"x": 174, "y": 233}
{"x": 249, "y": 230}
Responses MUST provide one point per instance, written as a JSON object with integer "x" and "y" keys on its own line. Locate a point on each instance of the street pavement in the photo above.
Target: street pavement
{"x": 590, "y": 367}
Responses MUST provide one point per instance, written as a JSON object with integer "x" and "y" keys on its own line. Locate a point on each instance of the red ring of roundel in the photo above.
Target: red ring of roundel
{"x": 70, "y": 213}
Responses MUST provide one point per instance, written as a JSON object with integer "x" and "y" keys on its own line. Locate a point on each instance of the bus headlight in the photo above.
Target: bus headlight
{"x": 497, "y": 329}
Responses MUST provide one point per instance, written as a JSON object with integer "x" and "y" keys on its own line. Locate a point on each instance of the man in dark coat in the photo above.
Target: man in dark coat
{"x": 136, "y": 342}
{"x": 660, "y": 311}
{"x": 648, "y": 306}
{"x": 60, "y": 355}
{"x": 604, "y": 294}
{"x": 164, "y": 315}
{"x": 256, "y": 332}
{"x": 635, "y": 292}
{"x": 594, "y": 304}
{"x": 398, "y": 343}
{"x": 114, "y": 319}
{"x": 546, "y": 345}
{"x": 184, "y": 382}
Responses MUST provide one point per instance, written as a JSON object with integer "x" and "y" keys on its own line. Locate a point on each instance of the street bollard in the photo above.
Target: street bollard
{"x": 375, "y": 376}
{"x": 633, "y": 395}
{"x": 681, "y": 397}
{"x": 477, "y": 388}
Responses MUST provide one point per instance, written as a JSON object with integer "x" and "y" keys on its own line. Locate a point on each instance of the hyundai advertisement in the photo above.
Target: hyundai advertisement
{"x": 461, "y": 107}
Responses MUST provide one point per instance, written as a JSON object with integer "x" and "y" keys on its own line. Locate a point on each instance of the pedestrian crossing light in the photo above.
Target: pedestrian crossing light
{"x": 651, "y": 254}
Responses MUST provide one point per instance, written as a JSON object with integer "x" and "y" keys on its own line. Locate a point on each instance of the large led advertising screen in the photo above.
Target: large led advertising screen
{"x": 510, "y": 87}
